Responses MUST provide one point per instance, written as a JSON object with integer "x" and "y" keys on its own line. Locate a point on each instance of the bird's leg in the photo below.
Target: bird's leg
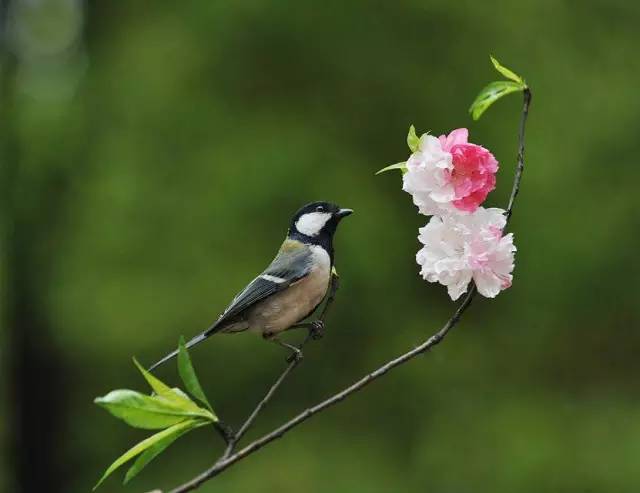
{"x": 315, "y": 328}
{"x": 296, "y": 351}
{"x": 334, "y": 284}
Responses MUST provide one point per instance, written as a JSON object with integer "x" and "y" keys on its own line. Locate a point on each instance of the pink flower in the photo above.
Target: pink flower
{"x": 459, "y": 248}
{"x": 448, "y": 174}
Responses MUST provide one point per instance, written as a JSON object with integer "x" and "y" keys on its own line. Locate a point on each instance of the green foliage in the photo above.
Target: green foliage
{"x": 159, "y": 445}
{"x": 174, "y": 396}
{"x": 168, "y": 409}
{"x": 189, "y": 377}
{"x": 146, "y": 412}
{"x": 401, "y": 166}
{"x": 151, "y": 447}
{"x": 496, "y": 90}
{"x": 509, "y": 74}
{"x": 490, "y": 94}
{"x": 413, "y": 141}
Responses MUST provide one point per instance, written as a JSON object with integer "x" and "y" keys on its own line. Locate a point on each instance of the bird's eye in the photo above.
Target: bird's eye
{"x": 319, "y": 209}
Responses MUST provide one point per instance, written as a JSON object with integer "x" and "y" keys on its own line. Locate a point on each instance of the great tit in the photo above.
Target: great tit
{"x": 291, "y": 287}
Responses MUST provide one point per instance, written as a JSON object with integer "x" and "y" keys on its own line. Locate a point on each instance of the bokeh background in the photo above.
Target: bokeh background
{"x": 152, "y": 153}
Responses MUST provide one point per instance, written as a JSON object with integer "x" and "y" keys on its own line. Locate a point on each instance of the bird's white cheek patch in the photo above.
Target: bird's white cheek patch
{"x": 311, "y": 224}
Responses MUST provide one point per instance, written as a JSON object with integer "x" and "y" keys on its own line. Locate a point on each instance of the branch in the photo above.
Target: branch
{"x": 227, "y": 461}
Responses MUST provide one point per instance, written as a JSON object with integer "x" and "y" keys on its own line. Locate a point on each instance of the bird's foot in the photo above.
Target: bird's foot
{"x": 296, "y": 354}
{"x": 316, "y": 329}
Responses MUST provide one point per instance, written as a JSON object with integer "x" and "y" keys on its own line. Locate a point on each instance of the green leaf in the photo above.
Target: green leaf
{"x": 147, "y": 412}
{"x": 401, "y": 166}
{"x": 413, "y": 141}
{"x": 144, "y": 445}
{"x": 509, "y": 74}
{"x": 189, "y": 377}
{"x": 157, "y": 448}
{"x": 172, "y": 395}
{"x": 490, "y": 94}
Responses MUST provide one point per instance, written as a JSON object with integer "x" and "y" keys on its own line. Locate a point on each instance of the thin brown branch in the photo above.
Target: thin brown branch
{"x": 262, "y": 404}
{"x": 227, "y": 461}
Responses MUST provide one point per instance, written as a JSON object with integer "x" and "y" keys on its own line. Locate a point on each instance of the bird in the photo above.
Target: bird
{"x": 293, "y": 285}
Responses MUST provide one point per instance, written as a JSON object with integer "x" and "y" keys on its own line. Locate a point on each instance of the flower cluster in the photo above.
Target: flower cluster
{"x": 449, "y": 178}
{"x": 460, "y": 248}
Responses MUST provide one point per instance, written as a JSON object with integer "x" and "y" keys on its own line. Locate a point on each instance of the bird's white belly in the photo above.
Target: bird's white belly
{"x": 284, "y": 309}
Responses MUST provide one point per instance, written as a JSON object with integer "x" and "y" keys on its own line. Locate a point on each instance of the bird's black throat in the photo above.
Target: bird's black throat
{"x": 324, "y": 239}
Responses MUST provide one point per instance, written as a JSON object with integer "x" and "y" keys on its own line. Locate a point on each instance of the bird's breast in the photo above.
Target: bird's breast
{"x": 290, "y": 306}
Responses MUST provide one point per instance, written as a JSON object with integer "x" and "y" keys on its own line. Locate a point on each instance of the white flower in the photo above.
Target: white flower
{"x": 428, "y": 176}
{"x": 459, "y": 248}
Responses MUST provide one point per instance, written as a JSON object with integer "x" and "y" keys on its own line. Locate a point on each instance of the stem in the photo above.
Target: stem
{"x": 228, "y": 459}
{"x": 224, "y": 431}
{"x": 526, "y": 93}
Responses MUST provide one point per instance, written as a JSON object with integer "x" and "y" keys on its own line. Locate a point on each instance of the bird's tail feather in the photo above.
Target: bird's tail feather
{"x": 196, "y": 340}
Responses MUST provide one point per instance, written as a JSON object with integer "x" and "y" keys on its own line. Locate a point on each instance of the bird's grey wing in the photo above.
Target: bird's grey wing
{"x": 292, "y": 263}
{"x": 288, "y": 267}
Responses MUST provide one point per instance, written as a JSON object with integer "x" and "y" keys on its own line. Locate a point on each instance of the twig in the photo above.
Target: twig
{"x": 224, "y": 430}
{"x": 261, "y": 405}
{"x": 526, "y": 94}
{"x": 226, "y": 462}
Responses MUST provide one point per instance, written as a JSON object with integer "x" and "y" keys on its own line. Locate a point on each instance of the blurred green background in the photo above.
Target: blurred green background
{"x": 152, "y": 153}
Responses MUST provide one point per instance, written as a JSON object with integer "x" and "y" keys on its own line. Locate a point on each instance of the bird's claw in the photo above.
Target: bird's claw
{"x": 296, "y": 355}
{"x": 316, "y": 329}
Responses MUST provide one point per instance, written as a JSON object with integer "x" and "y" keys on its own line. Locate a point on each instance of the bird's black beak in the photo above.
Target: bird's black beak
{"x": 344, "y": 213}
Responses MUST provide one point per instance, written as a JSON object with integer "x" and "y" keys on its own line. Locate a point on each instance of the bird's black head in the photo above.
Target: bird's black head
{"x": 317, "y": 222}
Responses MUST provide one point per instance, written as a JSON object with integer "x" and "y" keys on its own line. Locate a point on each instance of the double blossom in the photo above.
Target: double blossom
{"x": 449, "y": 178}
{"x": 460, "y": 248}
{"x": 448, "y": 174}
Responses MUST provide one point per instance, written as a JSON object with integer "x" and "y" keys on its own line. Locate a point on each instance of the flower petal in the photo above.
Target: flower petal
{"x": 459, "y": 247}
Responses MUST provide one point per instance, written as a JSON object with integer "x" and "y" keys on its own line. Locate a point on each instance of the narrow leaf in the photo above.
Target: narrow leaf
{"x": 509, "y": 74}
{"x": 157, "y": 448}
{"x": 189, "y": 377}
{"x": 172, "y": 395}
{"x": 147, "y": 412}
{"x": 413, "y": 141}
{"x": 401, "y": 166}
{"x": 490, "y": 94}
{"x": 144, "y": 445}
